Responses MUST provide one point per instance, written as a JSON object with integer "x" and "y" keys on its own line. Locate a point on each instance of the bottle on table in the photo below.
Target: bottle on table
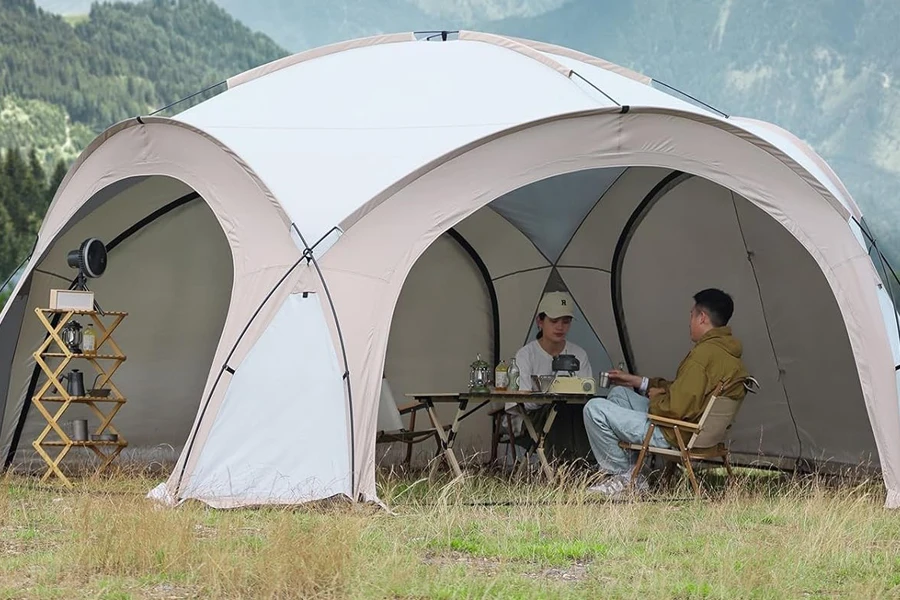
{"x": 501, "y": 376}
{"x": 513, "y": 375}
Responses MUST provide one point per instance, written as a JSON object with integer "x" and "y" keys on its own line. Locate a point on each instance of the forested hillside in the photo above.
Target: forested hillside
{"x": 63, "y": 82}
{"x": 25, "y": 193}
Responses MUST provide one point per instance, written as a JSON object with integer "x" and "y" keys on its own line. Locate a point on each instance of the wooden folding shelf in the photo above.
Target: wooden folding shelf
{"x": 53, "y": 391}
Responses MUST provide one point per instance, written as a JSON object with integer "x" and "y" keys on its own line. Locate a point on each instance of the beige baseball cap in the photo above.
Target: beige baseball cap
{"x": 556, "y": 305}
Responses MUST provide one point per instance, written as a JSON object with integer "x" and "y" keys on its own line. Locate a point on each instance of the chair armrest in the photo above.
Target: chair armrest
{"x": 667, "y": 422}
{"x": 411, "y": 407}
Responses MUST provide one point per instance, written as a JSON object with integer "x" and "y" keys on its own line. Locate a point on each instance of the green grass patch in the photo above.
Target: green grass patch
{"x": 74, "y": 20}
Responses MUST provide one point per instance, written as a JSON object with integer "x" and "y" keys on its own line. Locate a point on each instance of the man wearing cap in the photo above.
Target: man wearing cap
{"x": 554, "y": 318}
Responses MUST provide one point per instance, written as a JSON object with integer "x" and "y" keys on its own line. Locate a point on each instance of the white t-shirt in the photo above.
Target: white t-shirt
{"x": 532, "y": 359}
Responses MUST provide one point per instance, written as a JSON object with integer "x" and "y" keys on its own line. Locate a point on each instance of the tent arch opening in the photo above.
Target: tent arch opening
{"x": 518, "y": 161}
{"x": 640, "y": 241}
{"x": 171, "y": 269}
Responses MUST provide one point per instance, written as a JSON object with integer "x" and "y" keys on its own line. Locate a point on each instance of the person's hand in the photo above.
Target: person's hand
{"x": 627, "y": 379}
{"x": 655, "y": 391}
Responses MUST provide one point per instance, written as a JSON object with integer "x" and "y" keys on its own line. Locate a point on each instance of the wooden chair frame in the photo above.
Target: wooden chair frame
{"x": 706, "y": 440}
{"x": 410, "y": 436}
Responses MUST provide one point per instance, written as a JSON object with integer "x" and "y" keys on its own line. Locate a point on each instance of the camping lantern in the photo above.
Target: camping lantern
{"x": 479, "y": 376}
{"x": 71, "y": 334}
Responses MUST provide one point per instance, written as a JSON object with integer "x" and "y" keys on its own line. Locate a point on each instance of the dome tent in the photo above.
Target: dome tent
{"x": 282, "y": 244}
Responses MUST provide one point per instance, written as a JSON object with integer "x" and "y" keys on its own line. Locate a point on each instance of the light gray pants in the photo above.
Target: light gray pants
{"x": 621, "y": 416}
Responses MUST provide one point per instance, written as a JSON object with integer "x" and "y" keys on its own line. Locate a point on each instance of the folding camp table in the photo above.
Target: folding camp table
{"x": 447, "y": 438}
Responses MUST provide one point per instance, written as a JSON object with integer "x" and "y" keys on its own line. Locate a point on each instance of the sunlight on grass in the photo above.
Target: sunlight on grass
{"x": 74, "y": 20}
{"x": 481, "y": 536}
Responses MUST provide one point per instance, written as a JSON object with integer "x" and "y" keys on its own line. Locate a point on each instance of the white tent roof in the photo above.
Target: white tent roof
{"x": 381, "y": 110}
{"x": 381, "y": 146}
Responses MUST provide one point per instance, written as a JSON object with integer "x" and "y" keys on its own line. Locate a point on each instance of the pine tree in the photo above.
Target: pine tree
{"x": 59, "y": 173}
{"x": 14, "y": 171}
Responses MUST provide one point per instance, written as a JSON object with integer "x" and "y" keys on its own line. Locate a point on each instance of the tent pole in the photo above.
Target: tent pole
{"x": 492, "y": 291}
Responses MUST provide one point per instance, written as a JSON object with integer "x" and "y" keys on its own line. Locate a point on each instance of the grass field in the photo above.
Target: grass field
{"x": 765, "y": 536}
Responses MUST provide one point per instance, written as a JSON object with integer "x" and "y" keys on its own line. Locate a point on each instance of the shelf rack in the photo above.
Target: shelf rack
{"x": 53, "y": 391}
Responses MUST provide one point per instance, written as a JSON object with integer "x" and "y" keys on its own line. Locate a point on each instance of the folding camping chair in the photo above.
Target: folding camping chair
{"x": 390, "y": 424}
{"x": 707, "y": 436}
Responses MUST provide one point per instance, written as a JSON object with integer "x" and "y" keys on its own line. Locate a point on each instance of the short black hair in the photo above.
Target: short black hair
{"x": 717, "y": 304}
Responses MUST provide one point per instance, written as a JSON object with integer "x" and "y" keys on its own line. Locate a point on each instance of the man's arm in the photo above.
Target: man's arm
{"x": 683, "y": 399}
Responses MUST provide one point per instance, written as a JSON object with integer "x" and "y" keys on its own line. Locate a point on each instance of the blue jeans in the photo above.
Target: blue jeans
{"x": 621, "y": 416}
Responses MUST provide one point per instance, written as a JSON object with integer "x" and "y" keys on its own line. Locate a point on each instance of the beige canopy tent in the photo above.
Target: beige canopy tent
{"x": 395, "y": 205}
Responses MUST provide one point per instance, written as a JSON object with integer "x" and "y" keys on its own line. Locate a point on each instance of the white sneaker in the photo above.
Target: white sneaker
{"x": 617, "y": 486}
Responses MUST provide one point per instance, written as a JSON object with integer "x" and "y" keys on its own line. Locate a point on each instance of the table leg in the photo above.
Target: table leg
{"x": 447, "y": 438}
{"x": 537, "y": 444}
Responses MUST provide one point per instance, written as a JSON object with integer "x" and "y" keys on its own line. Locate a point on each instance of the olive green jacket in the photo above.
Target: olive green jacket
{"x": 716, "y": 356}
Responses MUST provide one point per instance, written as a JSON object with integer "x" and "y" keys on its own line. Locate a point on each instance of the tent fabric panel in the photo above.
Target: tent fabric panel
{"x": 889, "y": 312}
{"x": 583, "y": 58}
{"x": 364, "y": 326}
{"x": 304, "y": 143}
{"x": 591, "y": 290}
{"x": 594, "y": 243}
{"x": 811, "y": 344}
{"x": 169, "y": 338}
{"x": 548, "y": 212}
{"x": 518, "y": 297}
{"x": 442, "y": 320}
{"x": 689, "y": 240}
{"x": 504, "y": 249}
{"x": 272, "y": 445}
{"x": 525, "y": 50}
{"x": 10, "y": 329}
{"x": 799, "y": 151}
{"x": 30, "y": 335}
{"x": 314, "y": 53}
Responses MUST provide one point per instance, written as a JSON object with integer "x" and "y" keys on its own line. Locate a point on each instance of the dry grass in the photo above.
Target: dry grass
{"x": 764, "y": 537}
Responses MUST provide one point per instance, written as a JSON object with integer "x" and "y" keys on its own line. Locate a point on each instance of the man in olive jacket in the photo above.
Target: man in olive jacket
{"x": 716, "y": 355}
